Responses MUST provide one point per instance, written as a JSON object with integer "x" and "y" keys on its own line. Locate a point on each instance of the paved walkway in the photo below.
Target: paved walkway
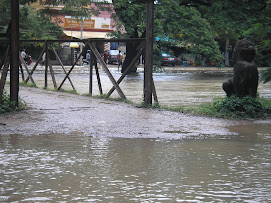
{"x": 60, "y": 112}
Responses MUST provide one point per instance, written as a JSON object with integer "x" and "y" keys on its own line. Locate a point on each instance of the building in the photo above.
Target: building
{"x": 75, "y": 27}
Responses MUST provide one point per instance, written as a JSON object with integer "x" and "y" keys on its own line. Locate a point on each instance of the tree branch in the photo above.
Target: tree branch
{"x": 195, "y": 3}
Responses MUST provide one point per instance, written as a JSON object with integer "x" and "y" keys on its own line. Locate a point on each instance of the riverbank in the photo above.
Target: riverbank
{"x": 65, "y": 113}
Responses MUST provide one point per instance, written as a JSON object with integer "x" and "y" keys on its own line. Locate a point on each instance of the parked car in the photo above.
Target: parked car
{"x": 112, "y": 56}
{"x": 169, "y": 59}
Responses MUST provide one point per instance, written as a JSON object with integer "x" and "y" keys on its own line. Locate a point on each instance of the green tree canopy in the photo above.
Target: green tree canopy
{"x": 33, "y": 25}
{"x": 186, "y": 27}
{"x": 231, "y": 20}
{"x": 181, "y": 26}
{"x": 37, "y": 26}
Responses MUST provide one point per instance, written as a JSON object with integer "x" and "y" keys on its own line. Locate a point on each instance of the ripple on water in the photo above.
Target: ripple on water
{"x": 100, "y": 169}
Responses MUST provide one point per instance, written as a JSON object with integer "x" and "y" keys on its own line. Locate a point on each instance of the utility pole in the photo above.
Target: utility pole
{"x": 148, "y": 70}
{"x": 14, "y": 52}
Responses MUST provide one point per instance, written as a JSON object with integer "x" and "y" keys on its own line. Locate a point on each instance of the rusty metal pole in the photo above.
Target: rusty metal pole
{"x": 148, "y": 70}
{"x": 14, "y": 53}
{"x": 91, "y": 62}
{"x": 46, "y": 65}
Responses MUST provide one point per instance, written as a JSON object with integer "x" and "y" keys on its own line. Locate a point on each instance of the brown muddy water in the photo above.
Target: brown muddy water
{"x": 74, "y": 168}
{"x": 175, "y": 87}
{"x": 80, "y": 168}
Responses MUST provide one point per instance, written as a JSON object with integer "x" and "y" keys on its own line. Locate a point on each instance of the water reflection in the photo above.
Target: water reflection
{"x": 80, "y": 168}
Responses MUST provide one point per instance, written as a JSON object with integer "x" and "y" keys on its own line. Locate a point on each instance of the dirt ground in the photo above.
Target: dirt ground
{"x": 65, "y": 113}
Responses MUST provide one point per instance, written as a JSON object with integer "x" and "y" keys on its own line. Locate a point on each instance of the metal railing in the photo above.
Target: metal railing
{"x": 90, "y": 43}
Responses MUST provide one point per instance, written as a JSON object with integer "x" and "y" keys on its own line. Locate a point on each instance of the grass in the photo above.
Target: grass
{"x": 69, "y": 91}
{"x": 229, "y": 107}
{"x": 104, "y": 96}
{"x": 8, "y": 106}
{"x": 23, "y": 83}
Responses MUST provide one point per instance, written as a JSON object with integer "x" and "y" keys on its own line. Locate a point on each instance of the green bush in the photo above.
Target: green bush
{"x": 8, "y": 106}
{"x": 234, "y": 107}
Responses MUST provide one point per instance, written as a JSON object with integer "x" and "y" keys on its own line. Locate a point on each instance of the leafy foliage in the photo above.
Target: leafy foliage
{"x": 265, "y": 75}
{"x": 37, "y": 26}
{"x": 234, "y": 107}
{"x": 132, "y": 15}
{"x": 8, "y": 106}
{"x": 33, "y": 25}
{"x": 260, "y": 32}
{"x": 183, "y": 27}
{"x": 186, "y": 28}
{"x": 199, "y": 26}
{"x": 78, "y": 8}
{"x": 4, "y": 14}
{"x": 232, "y": 20}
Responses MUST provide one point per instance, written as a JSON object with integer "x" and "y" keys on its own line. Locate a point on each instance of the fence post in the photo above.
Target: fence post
{"x": 46, "y": 65}
{"x": 91, "y": 61}
{"x": 148, "y": 81}
{"x": 14, "y": 54}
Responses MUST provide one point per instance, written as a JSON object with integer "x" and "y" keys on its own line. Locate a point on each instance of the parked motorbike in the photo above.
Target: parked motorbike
{"x": 28, "y": 60}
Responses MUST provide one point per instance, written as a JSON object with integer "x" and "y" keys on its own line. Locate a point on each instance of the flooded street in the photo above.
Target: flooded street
{"x": 64, "y": 168}
{"x": 175, "y": 87}
{"x": 75, "y": 148}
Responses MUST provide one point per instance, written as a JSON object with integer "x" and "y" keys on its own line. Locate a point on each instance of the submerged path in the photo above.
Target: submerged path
{"x": 65, "y": 113}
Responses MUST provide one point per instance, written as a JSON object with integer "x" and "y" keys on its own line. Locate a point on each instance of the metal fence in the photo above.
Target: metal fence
{"x": 46, "y": 58}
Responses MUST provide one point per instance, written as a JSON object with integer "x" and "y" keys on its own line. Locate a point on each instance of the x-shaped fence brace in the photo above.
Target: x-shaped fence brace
{"x": 98, "y": 57}
{"x": 5, "y": 63}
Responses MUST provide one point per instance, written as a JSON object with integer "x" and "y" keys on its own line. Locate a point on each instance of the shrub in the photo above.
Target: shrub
{"x": 8, "y": 106}
{"x": 234, "y": 107}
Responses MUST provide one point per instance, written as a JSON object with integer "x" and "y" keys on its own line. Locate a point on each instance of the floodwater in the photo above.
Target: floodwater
{"x": 77, "y": 168}
{"x": 80, "y": 168}
{"x": 175, "y": 87}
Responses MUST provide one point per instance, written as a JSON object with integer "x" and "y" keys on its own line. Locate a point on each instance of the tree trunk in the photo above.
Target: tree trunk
{"x": 227, "y": 60}
{"x": 131, "y": 51}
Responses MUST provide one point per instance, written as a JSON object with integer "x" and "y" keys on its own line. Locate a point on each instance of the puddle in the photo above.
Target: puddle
{"x": 177, "y": 132}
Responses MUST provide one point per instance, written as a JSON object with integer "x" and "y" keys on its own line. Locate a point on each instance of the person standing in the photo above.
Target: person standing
{"x": 105, "y": 56}
{"x": 25, "y": 57}
{"x": 43, "y": 58}
{"x": 23, "y": 54}
{"x": 119, "y": 58}
{"x": 88, "y": 56}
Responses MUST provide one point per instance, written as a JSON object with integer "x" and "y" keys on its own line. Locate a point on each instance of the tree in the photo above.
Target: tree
{"x": 234, "y": 20}
{"x": 131, "y": 15}
{"x": 230, "y": 19}
{"x": 182, "y": 26}
{"x": 33, "y": 25}
{"x": 260, "y": 33}
{"x": 37, "y": 26}
{"x": 186, "y": 27}
{"x": 78, "y": 8}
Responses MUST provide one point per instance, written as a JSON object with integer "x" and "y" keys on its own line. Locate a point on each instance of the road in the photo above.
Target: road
{"x": 65, "y": 113}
